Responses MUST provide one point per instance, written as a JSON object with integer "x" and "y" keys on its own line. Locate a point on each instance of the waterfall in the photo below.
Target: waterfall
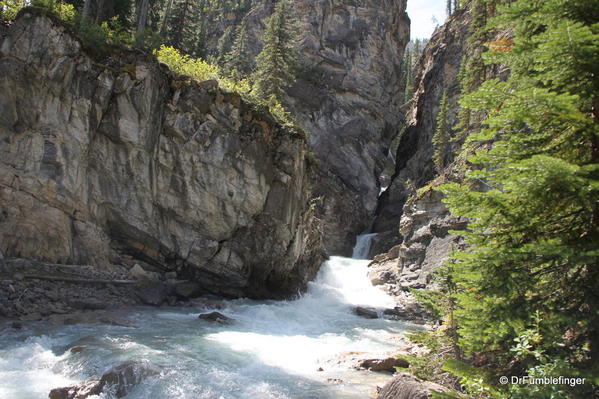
{"x": 362, "y": 247}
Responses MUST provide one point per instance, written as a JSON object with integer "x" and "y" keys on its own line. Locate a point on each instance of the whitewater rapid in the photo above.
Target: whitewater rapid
{"x": 274, "y": 349}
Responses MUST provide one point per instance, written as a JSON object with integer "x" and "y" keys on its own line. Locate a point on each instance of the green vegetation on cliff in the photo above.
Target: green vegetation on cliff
{"x": 527, "y": 289}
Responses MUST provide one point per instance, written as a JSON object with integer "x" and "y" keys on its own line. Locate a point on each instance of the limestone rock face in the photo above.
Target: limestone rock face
{"x": 118, "y": 161}
{"x": 347, "y": 97}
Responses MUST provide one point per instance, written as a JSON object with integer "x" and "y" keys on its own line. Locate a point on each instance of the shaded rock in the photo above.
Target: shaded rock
{"x": 436, "y": 74}
{"x": 113, "y": 321}
{"x": 16, "y": 325}
{"x": 119, "y": 380}
{"x": 170, "y": 276}
{"x": 87, "y": 304}
{"x": 407, "y": 386}
{"x": 368, "y": 313}
{"x": 387, "y": 364}
{"x": 31, "y": 316}
{"x": 152, "y": 293}
{"x": 188, "y": 289}
{"x": 216, "y": 317}
{"x": 139, "y": 273}
{"x": 76, "y": 349}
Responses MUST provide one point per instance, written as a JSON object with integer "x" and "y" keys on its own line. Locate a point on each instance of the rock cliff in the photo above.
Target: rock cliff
{"x": 347, "y": 97}
{"x": 118, "y": 161}
{"x": 422, "y": 241}
{"x": 349, "y": 101}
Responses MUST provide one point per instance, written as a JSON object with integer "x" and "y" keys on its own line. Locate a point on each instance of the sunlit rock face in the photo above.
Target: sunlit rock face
{"x": 105, "y": 161}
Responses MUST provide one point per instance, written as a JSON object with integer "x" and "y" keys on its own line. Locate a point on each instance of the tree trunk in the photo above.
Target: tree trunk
{"x": 87, "y": 9}
{"x": 165, "y": 18}
{"x": 142, "y": 16}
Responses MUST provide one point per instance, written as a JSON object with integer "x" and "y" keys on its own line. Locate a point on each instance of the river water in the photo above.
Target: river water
{"x": 273, "y": 350}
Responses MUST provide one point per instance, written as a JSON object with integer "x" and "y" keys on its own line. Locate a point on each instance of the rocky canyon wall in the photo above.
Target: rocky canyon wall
{"x": 117, "y": 161}
{"x": 413, "y": 227}
{"x": 347, "y": 97}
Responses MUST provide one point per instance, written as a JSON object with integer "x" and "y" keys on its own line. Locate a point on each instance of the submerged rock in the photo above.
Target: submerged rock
{"x": 119, "y": 381}
{"x": 368, "y": 313}
{"x": 406, "y": 386}
{"x": 216, "y": 317}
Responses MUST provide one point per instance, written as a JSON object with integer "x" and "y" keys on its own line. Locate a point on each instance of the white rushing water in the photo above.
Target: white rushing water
{"x": 363, "y": 244}
{"x": 273, "y": 350}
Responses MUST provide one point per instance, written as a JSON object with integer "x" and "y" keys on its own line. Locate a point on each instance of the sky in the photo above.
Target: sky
{"x": 421, "y": 13}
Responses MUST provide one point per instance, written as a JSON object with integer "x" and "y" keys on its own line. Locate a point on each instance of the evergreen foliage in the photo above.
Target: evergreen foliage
{"x": 182, "y": 30}
{"x": 276, "y": 63}
{"x": 442, "y": 136}
{"x": 238, "y": 61}
{"x": 412, "y": 55}
{"x": 528, "y": 288}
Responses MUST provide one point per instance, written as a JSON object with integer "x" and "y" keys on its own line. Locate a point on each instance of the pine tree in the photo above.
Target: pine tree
{"x": 224, "y": 43}
{"x": 183, "y": 29}
{"x": 238, "y": 60}
{"x": 529, "y": 285}
{"x": 276, "y": 63}
{"x": 408, "y": 75}
{"x": 442, "y": 135}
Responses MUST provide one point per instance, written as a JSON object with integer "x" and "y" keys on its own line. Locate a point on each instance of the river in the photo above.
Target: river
{"x": 274, "y": 349}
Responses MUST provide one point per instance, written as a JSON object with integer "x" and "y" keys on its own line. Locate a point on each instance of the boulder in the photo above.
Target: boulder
{"x": 152, "y": 293}
{"x": 120, "y": 380}
{"x": 187, "y": 289}
{"x": 368, "y": 313}
{"x": 139, "y": 273}
{"x": 387, "y": 364}
{"x": 170, "y": 275}
{"x": 407, "y": 386}
{"x": 216, "y": 317}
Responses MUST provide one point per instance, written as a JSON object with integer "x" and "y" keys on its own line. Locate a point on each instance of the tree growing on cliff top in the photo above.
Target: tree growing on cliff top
{"x": 238, "y": 59}
{"x": 276, "y": 63}
{"x": 529, "y": 285}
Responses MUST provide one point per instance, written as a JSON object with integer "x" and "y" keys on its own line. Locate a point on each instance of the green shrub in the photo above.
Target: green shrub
{"x": 66, "y": 12}
{"x": 183, "y": 64}
{"x": 10, "y": 8}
